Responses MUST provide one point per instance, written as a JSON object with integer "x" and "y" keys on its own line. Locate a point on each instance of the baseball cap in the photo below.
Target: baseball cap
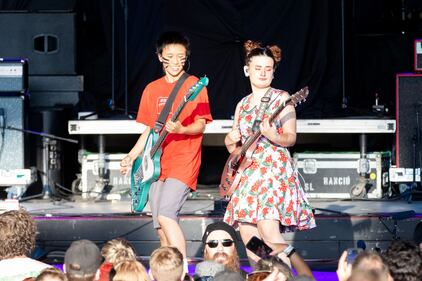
{"x": 82, "y": 258}
{"x": 219, "y": 225}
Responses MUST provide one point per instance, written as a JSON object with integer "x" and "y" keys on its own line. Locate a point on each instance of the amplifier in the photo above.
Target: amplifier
{"x": 418, "y": 55}
{"x": 333, "y": 175}
{"x": 13, "y": 76}
{"x": 16, "y": 177}
{"x": 117, "y": 183}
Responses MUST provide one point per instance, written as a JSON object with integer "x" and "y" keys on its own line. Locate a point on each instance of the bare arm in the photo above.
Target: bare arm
{"x": 297, "y": 262}
{"x": 137, "y": 149}
{"x": 196, "y": 128}
{"x": 287, "y": 137}
{"x": 232, "y": 139}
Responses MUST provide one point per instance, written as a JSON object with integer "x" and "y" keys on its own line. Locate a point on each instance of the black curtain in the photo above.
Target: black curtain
{"x": 307, "y": 32}
{"x": 377, "y": 35}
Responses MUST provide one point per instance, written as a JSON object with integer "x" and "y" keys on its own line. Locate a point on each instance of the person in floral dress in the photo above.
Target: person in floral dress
{"x": 269, "y": 199}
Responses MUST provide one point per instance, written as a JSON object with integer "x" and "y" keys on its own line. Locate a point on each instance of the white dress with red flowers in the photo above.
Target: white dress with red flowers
{"x": 269, "y": 189}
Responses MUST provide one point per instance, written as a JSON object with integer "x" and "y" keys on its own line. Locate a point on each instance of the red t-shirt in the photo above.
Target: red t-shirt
{"x": 181, "y": 154}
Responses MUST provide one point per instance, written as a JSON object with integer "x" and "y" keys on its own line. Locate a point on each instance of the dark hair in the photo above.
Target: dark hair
{"x": 417, "y": 235}
{"x": 253, "y": 49}
{"x": 273, "y": 261}
{"x": 172, "y": 37}
{"x": 404, "y": 259}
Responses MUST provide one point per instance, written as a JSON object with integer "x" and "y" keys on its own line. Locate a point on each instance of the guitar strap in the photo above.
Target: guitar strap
{"x": 262, "y": 108}
{"x": 161, "y": 120}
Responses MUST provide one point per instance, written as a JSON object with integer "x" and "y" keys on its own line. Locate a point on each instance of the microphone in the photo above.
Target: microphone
{"x": 206, "y": 270}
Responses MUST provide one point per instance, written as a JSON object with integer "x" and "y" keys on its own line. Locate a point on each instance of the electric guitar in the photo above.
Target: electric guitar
{"x": 146, "y": 168}
{"x": 241, "y": 157}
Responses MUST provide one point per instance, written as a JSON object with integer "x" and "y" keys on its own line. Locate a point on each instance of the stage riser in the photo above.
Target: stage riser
{"x": 327, "y": 241}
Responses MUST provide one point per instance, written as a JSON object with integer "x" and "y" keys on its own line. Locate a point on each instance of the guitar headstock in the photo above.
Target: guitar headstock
{"x": 299, "y": 96}
{"x": 196, "y": 88}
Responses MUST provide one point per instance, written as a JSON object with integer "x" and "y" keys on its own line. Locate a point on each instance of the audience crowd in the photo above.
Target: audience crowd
{"x": 116, "y": 261}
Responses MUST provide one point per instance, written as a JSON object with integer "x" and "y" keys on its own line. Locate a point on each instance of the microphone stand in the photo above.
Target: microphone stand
{"x": 49, "y": 141}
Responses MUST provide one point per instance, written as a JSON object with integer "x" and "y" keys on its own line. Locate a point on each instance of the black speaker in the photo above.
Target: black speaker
{"x": 13, "y": 76}
{"x": 12, "y": 142}
{"x": 418, "y": 55}
{"x": 408, "y": 116}
{"x": 47, "y": 40}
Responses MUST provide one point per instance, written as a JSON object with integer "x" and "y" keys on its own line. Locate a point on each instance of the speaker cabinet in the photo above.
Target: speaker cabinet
{"x": 418, "y": 55}
{"x": 13, "y": 76}
{"x": 47, "y": 40}
{"x": 408, "y": 116}
{"x": 12, "y": 142}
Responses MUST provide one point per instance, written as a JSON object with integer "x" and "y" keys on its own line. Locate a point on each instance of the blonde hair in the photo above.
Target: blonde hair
{"x": 130, "y": 270}
{"x": 166, "y": 264}
{"x": 253, "y": 48}
{"x": 117, "y": 250}
{"x": 50, "y": 273}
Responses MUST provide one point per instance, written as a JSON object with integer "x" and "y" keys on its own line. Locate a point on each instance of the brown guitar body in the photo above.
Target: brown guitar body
{"x": 241, "y": 158}
{"x": 233, "y": 170}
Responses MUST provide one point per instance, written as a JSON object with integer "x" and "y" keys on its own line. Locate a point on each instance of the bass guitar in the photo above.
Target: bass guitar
{"x": 146, "y": 168}
{"x": 241, "y": 157}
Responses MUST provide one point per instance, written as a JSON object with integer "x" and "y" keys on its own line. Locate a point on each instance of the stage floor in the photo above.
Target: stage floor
{"x": 340, "y": 225}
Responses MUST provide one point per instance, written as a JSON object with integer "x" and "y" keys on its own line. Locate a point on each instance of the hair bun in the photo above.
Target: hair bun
{"x": 276, "y": 51}
{"x": 250, "y": 45}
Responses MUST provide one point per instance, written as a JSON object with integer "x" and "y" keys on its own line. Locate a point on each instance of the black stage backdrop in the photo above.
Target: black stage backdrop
{"x": 308, "y": 33}
{"x": 377, "y": 36}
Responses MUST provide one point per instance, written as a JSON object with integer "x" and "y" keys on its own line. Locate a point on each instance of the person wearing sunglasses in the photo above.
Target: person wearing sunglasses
{"x": 220, "y": 245}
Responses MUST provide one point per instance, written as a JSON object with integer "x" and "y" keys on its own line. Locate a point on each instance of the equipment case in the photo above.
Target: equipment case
{"x": 334, "y": 175}
{"x": 117, "y": 183}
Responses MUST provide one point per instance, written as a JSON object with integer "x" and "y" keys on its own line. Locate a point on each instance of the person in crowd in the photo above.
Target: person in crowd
{"x": 220, "y": 245}
{"x": 272, "y": 262}
{"x": 404, "y": 260}
{"x": 17, "y": 240}
{"x": 181, "y": 150}
{"x": 130, "y": 270}
{"x": 366, "y": 275}
{"x": 417, "y": 235}
{"x": 114, "y": 252}
{"x": 367, "y": 260}
{"x": 268, "y": 199}
{"x": 51, "y": 274}
{"x": 228, "y": 275}
{"x": 166, "y": 264}
{"x": 300, "y": 278}
{"x": 207, "y": 269}
{"x": 287, "y": 254}
{"x": 82, "y": 261}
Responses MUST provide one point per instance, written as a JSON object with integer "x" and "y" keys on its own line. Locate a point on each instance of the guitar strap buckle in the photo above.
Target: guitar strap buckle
{"x": 265, "y": 99}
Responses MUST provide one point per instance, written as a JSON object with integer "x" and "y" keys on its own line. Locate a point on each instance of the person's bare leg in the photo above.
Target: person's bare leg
{"x": 269, "y": 230}
{"x": 173, "y": 233}
{"x": 247, "y": 231}
{"x": 163, "y": 239}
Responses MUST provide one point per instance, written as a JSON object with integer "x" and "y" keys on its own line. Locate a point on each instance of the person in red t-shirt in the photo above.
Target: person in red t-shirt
{"x": 181, "y": 150}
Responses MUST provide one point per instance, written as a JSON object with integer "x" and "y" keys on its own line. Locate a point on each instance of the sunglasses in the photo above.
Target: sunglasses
{"x": 224, "y": 242}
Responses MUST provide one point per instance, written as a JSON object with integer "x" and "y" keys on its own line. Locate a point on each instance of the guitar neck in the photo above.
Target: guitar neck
{"x": 257, "y": 134}
{"x": 164, "y": 133}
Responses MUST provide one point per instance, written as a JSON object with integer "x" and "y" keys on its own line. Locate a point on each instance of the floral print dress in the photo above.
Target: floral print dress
{"x": 269, "y": 188}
